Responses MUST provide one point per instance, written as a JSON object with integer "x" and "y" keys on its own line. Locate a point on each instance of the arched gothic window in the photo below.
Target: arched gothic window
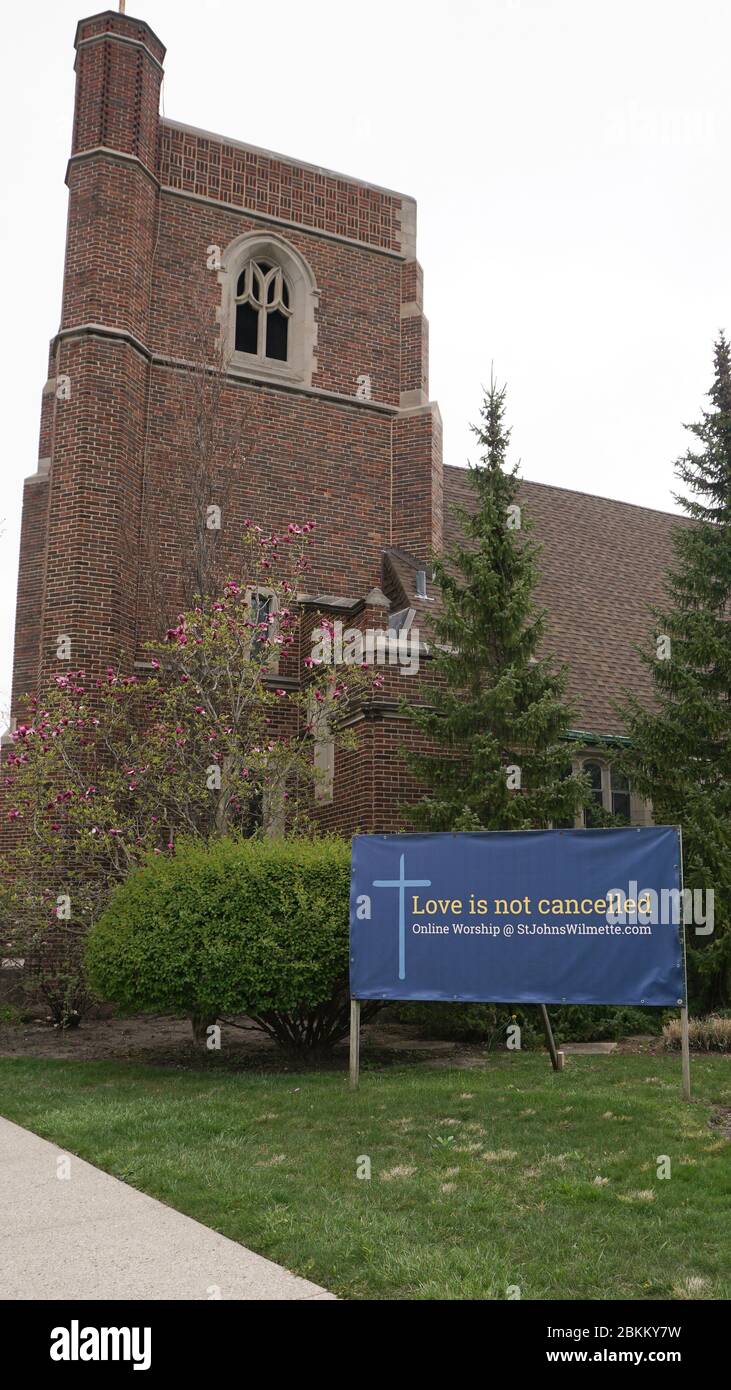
{"x": 263, "y": 311}
{"x": 268, "y": 307}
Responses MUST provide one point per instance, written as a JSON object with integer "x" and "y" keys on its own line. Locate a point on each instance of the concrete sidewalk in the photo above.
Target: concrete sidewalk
{"x": 91, "y": 1236}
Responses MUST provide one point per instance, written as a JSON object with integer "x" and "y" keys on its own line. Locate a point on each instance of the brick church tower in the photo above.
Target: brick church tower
{"x": 195, "y": 257}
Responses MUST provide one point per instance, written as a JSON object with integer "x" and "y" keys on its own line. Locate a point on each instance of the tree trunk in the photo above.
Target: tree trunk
{"x": 200, "y": 1024}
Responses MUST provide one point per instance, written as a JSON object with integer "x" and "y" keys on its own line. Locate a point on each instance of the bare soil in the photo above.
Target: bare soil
{"x": 159, "y": 1040}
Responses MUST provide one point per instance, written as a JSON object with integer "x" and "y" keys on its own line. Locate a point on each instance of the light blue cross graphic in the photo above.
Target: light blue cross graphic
{"x": 401, "y": 883}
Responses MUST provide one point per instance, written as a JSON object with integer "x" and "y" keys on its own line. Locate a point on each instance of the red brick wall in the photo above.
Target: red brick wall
{"x": 111, "y": 231}
{"x": 94, "y": 508}
{"x": 417, "y": 481}
{"x": 31, "y": 575}
{"x": 147, "y": 198}
{"x": 293, "y": 461}
{"x": 358, "y": 321}
{"x": 118, "y": 75}
{"x": 280, "y": 188}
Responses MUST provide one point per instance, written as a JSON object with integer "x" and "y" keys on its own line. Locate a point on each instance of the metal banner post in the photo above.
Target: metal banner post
{"x": 555, "y": 1062}
{"x": 684, "y": 1034}
{"x": 354, "y": 1043}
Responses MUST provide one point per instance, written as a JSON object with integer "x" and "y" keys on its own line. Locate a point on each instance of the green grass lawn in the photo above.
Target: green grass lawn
{"x": 481, "y": 1179}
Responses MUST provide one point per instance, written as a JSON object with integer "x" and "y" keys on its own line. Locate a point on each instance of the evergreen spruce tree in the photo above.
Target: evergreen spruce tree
{"x": 498, "y": 720}
{"x": 680, "y": 755}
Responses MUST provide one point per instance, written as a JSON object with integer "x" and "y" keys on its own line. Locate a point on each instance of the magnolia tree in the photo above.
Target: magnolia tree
{"x": 216, "y": 737}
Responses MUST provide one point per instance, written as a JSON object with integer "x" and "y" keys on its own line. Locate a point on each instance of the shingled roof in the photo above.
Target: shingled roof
{"x": 601, "y": 569}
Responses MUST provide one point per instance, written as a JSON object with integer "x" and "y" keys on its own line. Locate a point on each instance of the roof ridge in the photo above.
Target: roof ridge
{"x": 579, "y": 492}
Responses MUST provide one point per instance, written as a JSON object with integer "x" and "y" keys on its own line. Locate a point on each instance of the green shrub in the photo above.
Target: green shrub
{"x": 488, "y": 1022}
{"x": 602, "y": 1022}
{"x": 256, "y": 927}
{"x": 458, "y": 1022}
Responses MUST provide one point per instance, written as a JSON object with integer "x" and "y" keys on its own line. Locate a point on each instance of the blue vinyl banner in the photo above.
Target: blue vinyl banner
{"x": 544, "y": 916}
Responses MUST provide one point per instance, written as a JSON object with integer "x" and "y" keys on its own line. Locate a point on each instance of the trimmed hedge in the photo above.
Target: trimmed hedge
{"x": 257, "y": 927}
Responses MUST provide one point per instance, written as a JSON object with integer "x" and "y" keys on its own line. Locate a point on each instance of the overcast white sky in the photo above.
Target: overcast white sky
{"x": 570, "y": 163}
